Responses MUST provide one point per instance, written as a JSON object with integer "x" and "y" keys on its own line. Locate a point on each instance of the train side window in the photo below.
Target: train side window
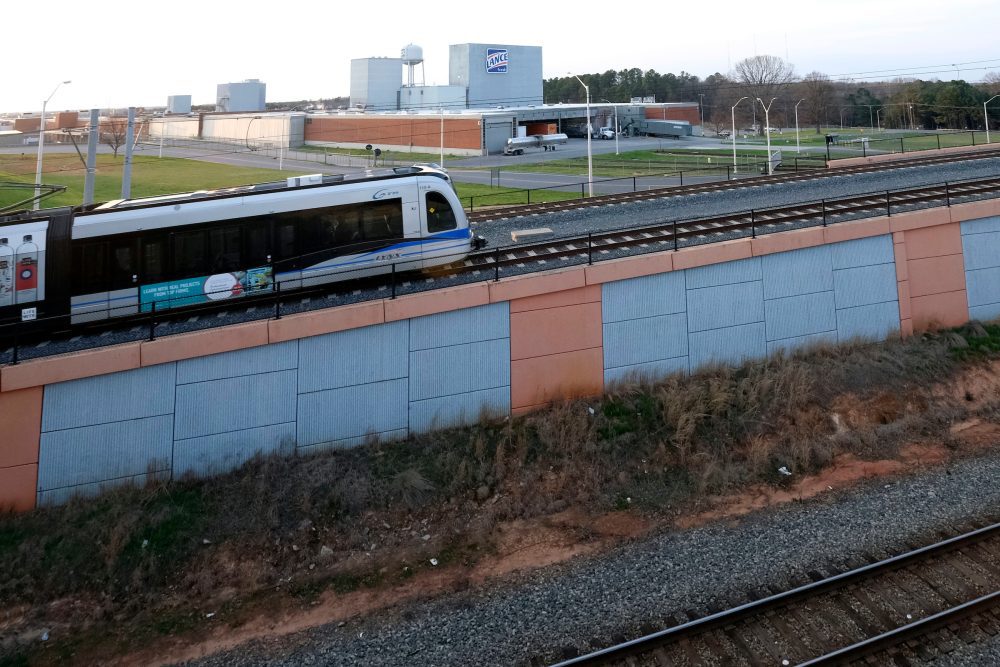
{"x": 123, "y": 263}
{"x": 440, "y": 216}
{"x": 284, "y": 240}
{"x": 153, "y": 261}
{"x": 189, "y": 254}
{"x": 90, "y": 267}
{"x": 348, "y": 229}
{"x": 383, "y": 221}
{"x": 224, "y": 249}
{"x": 255, "y": 245}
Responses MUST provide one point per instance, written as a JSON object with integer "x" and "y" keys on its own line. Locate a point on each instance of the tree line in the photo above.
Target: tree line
{"x": 822, "y": 102}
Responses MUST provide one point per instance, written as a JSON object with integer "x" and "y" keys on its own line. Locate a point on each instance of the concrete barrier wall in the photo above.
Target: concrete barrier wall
{"x": 210, "y": 414}
{"x": 729, "y": 312}
{"x": 205, "y": 402}
{"x": 981, "y": 249}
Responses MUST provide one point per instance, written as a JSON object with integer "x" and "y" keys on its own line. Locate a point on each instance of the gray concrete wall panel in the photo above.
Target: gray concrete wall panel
{"x": 724, "y": 306}
{"x": 981, "y": 248}
{"x": 797, "y": 272}
{"x": 797, "y": 316}
{"x": 358, "y": 356}
{"x": 651, "y": 371}
{"x": 64, "y": 494}
{"x": 468, "y": 325}
{"x": 250, "y": 402}
{"x": 727, "y": 273}
{"x": 792, "y": 344}
{"x": 223, "y": 452}
{"x": 457, "y": 369}
{"x": 348, "y": 415}
{"x": 645, "y": 340}
{"x": 875, "y": 322}
{"x": 732, "y": 345}
{"x": 649, "y": 296}
{"x": 251, "y": 361}
{"x": 448, "y": 411}
{"x": 981, "y": 251}
{"x": 865, "y": 285}
{"x": 91, "y": 454}
{"x": 981, "y": 226}
{"x": 862, "y": 252}
{"x": 134, "y": 394}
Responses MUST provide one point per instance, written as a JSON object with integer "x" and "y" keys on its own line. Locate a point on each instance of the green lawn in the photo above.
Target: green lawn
{"x": 648, "y": 163}
{"x": 150, "y": 176}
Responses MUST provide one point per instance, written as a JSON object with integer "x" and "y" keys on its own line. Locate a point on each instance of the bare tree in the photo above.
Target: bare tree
{"x": 763, "y": 77}
{"x": 991, "y": 82}
{"x": 114, "y": 131}
{"x": 818, "y": 92}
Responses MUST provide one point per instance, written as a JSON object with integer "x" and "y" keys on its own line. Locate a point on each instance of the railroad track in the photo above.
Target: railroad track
{"x": 674, "y": 235}
{"x": 507, "y": 212}
{"x": 906, "y": 610}
{"x": 500, "y": 262}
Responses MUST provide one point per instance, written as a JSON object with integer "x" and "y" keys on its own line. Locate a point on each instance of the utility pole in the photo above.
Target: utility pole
{"x": 127, "y": 169}
{"x": 93, "y": 134}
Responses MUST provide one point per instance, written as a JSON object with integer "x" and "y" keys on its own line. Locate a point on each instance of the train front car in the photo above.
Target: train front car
{"x": 166, "y": 252}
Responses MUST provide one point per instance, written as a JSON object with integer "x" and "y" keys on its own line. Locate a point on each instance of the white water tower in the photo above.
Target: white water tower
{"x": 412, "y": 56}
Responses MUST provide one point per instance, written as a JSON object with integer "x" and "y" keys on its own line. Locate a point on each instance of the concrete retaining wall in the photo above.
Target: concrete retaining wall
{"x": 205, "y": 402}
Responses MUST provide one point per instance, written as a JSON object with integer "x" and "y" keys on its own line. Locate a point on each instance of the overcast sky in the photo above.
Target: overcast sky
{"x": 123, "y": 53}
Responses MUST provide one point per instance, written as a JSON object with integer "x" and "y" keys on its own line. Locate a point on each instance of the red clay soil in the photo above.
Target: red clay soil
{"x": 525, "y": 545}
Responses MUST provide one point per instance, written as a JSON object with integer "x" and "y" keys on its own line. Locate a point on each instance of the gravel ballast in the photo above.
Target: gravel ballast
{"x": 647, "y": 581}
{"x": 726, "y": 202}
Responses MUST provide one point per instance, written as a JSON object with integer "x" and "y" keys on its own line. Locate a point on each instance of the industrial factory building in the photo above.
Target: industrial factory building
{"x": 494, "y": 92}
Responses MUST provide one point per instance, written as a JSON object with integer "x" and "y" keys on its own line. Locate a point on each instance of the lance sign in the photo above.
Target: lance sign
{"x": 496, "y": 61}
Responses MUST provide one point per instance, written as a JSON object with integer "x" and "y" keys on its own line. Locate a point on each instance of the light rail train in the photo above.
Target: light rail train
{"x": 127, "y": 257}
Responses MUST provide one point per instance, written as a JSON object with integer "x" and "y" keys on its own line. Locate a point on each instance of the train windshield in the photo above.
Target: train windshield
{"x": 440, "y": 216}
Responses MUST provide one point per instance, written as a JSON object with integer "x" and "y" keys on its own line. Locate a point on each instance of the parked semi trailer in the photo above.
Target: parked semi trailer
{"x": 548, "y": 142}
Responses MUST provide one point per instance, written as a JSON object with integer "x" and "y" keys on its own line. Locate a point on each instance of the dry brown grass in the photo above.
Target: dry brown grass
{"x": 133, "y": 555}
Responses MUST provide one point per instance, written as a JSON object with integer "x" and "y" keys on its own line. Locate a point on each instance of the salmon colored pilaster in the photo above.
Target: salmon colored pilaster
{"x": 556, "y": 347}
{"x": 21, "y": 420}
{"x": 933, "y": 293}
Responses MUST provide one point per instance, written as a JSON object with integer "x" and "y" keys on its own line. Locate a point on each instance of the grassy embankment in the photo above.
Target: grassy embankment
{"x": 157, "y": 176}
{"x": 141, "y": 564}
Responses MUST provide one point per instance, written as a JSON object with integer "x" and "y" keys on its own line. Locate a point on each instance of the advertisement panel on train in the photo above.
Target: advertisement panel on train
{"x": 190, "y": 291}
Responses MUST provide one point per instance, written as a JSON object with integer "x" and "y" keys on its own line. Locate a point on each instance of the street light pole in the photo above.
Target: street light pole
{"x": 797, "y": 149}
{"x": 590, "y": 159}
{"x": 767, "y": 128}
{"x": 987, "y": 118}
{"x": 41, "y": 149}
{"x": 733, "y": 135}
{"x": 878, "y": 118}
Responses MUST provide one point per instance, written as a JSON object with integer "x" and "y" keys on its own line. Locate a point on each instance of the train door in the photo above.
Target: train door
{"x": 440, "y": 230}
{"x": 123, "y": 276}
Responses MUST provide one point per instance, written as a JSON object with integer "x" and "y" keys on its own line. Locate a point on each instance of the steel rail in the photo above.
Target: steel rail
{"x": 663, "y": 236}
{"x": 758, "y": 607}
{"x": 924, "y": 626}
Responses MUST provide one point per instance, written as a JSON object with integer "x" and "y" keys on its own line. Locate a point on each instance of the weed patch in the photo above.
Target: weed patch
{"x": 297, "y": 526}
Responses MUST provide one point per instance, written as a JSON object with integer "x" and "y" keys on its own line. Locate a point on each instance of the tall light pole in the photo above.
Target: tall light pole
{"x": 797, "y": 149}
{"x": 701, "y": 108}
{"x": 987, "y": 118}
{"x": 590, "y": 159}
{"x": 767, "y": 129}
{"x": 733, "y": 135}
{"x": 41, "y": 149}
{"x": 878, "y": 118}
